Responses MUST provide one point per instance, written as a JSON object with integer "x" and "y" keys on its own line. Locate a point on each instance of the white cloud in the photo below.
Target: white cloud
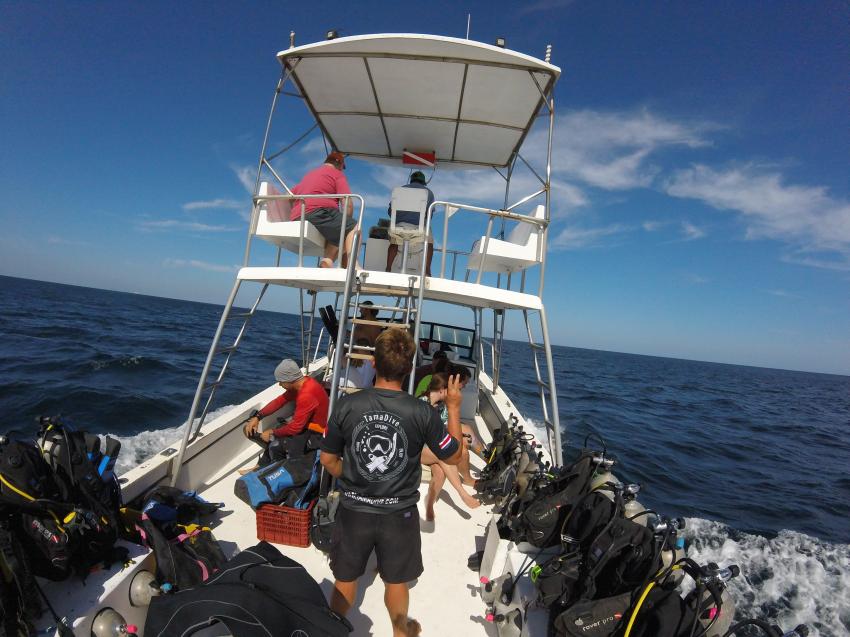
{"x": 166, "y": 224}
{"x": 57, "y": 241}
{"x": 783, "y": 294}
{"x": 574, "y": 238}
{"x": 612, "y": 150}
{"x": 696, "y": 279}
{"x": 200, "y": 265}
{"x": 225, "y": 204}
{"x": 247, "y": 176}
{"x": 806, "y": 216}
{"x": 652, "y": 226}
{"x": 690, "y": 232}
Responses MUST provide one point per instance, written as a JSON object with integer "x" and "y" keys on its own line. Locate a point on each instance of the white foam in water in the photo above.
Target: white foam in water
{"x": 139, "y": 447}
{"x": 788, "y": 580}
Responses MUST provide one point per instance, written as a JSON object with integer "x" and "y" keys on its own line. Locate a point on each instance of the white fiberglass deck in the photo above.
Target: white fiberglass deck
{"x": 444, "y": 599}
{"x": 436, "y": 289}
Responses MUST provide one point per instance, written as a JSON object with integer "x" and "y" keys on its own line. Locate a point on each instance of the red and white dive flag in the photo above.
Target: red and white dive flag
{"x": 419, "y": 158}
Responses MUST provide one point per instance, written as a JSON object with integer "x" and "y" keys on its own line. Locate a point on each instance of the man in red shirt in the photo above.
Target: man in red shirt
{"x": 310, "y": 417}
{"x": 324, "y": 212}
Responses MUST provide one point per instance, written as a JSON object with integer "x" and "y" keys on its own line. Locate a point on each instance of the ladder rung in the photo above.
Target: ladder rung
{"x": 543, "y": 383}
{"x": 388, "y": 308}
{"x": 365, "y": 357}
{"x": 240, "y": 315}
{"x": 536, "y": 346}
{"x": 349, "y": 390}
{"x": 215, "y": 383}
{"x": 222, "y": 350}
{"x": 360, "y": 321}
{"x": 368, "y": 348}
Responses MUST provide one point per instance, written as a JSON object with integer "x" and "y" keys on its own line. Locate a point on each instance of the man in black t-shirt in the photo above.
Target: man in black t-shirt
{"x": 372, "y": 445}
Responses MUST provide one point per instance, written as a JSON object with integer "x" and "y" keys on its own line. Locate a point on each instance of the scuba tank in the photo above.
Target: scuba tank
{"x": 632, "y": 508}
{"x": 603, "y": 474}
{"x": 711, "y": 599}
{"x": 674, "y": 546}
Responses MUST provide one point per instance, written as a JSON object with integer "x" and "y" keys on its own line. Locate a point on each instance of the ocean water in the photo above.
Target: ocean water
{"x": 755, "y": 459}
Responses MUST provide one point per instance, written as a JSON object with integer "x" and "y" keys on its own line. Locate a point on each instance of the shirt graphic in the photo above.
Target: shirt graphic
{"x": 380, "y": 446}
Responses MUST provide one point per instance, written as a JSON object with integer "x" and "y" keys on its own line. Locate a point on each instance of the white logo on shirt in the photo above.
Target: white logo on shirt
{"x": 380, "y": 446}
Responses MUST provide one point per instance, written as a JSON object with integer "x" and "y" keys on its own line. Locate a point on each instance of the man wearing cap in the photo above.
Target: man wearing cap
{"x": 311, "y": 409}
{"x": 324, "y": 212}
{"x": 409, "y": 221}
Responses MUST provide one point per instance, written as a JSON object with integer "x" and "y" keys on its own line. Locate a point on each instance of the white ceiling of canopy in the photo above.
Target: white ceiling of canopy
{"x": 378, "y": 95}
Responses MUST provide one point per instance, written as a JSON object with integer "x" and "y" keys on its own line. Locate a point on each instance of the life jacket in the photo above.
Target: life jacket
{"x": 186, "y": 552}
{"x": 185, "y": 555}
{"x": 26, "y": 480}
{"x": 166, "y": 504}
{"x": 82, "y": 471}
{"x": 537, "y": 517}
{"x": 252, "y": 599}
{"x": 592, "y": 618}
{"x": 60, "y": 528}
{"x": 19, "y": 600}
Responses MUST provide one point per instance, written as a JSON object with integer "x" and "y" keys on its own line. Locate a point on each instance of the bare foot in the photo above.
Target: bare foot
{"x": 248, "y": 470}
{"x": 469, "y": 501}
{"x": 326, "y": 263}
{"x": 413, "y": 628}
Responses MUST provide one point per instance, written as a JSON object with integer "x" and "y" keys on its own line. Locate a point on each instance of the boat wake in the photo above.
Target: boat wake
{"x": 137, "y": 448}
{"x": 790, "y": 579}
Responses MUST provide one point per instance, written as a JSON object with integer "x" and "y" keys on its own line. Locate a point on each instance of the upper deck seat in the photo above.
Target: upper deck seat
{"x": 408, "y": 200}
{"x": 274, "y": 226}
{"x": 519, "y": 251}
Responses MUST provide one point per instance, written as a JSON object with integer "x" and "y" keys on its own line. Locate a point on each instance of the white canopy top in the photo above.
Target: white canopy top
{"x": 375, "y": 96}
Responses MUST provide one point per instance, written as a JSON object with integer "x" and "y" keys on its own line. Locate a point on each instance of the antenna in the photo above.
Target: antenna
{"x": 548, "y": 53}
{"x": 292, "y": 39}
{"x": 468, "y": 23}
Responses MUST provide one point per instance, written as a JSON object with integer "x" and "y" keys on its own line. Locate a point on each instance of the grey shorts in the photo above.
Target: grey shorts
{"x": 328, "y": 221}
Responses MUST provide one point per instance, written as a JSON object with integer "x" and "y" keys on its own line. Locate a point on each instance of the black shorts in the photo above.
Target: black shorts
{"x": 394, "y": 537}
{"x": 328, "y": 221}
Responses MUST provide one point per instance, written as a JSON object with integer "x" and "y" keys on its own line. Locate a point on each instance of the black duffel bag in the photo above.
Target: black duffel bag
{"x": 251, "y": 598}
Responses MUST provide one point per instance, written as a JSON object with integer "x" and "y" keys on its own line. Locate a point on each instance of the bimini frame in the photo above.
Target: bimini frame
{"x": 378, "y": 97}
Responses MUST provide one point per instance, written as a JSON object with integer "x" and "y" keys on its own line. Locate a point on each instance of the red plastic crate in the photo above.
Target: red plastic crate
{"x": 280, "y": 524}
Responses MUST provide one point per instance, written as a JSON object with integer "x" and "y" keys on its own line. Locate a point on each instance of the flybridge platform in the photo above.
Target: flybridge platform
{"x": 394, "y": 284}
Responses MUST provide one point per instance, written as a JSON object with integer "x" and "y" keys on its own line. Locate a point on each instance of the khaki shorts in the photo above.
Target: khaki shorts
{"x": 409, "y": 231}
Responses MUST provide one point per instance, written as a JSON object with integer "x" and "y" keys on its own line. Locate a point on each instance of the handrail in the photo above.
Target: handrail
{"x": 345, "y": 199}
{"x": 491, "y": 213}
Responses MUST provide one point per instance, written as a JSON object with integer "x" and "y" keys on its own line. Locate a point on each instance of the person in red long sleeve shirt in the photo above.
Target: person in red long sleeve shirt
{"x": 311, "y": 410}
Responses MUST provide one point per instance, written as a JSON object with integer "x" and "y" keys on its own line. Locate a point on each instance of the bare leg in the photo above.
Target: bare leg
{"x": 438, "y": 478}
{"x": 392, "y": 252}
{"x": 346, "y": 249}
{"x": 453, "y": 476}
{"x": 331, "y": 251}
{"x": 343, "y": 596}
{"x": 397, "y": 599}
{"x": 463, "y": 466}
{"x": 429, "y": 257}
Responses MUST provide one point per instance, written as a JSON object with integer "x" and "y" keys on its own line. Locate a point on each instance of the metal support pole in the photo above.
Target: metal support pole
{"x": 340, "y": 334}
{"x": 555, "y": 434}
{"x": 545, "y": 235}
{"x": 178, "y": 462}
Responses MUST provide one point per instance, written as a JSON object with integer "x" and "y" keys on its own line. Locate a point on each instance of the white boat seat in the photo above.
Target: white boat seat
{"x": 274, "y": 226}
{"x": 413, "y": 200}
{"x": 518, "y": 252}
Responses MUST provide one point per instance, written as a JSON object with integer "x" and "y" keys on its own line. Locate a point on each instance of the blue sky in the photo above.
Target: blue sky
{"x": 701, "y": 197}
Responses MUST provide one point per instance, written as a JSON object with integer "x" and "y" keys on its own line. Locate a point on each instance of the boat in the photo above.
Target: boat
{"x": 423, "y": 102}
